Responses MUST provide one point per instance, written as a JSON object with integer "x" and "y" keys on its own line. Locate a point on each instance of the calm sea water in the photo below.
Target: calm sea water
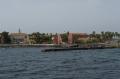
{"x": 31, "y": 63}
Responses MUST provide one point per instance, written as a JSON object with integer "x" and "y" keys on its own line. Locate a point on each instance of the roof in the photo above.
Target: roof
{"x": 18, "y": 34}
{"x": 79, "y": 33}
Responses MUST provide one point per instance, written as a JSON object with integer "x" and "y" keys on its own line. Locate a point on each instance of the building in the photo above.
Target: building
{"x": 77, "y": 37}
{"x": 19, "y": 38}
{"x": 57, "y": 39}
{"x": 70, "y": 38}
{"x": 114, "y": 42}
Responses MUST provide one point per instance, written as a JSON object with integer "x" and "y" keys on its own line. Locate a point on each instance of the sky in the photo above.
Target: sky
{"x": 59, "y": 15}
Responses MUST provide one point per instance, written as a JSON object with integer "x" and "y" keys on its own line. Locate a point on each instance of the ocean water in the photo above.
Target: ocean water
{"x": 31, "y": 63}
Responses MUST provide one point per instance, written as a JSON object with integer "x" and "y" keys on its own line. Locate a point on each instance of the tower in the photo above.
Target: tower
{"x": 19, "y": 31}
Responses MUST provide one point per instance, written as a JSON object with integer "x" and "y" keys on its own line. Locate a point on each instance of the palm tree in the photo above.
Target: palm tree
{"x": 103, "y": 36}
{"x": 116, "y": 34}
{"x": 98, "y": 36}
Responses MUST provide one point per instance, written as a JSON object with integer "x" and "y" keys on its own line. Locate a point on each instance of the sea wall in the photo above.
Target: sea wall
{"x": 28, "y": 45}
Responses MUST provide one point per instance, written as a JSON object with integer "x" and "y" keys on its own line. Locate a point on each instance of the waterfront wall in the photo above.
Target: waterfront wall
{"x": 28, "y": 45}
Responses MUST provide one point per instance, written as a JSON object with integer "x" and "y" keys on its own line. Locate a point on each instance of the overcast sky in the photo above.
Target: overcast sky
{"x": 59, "y": 15}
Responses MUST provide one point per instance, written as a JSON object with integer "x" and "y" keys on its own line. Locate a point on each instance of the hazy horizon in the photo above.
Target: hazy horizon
{"x": 59, "y": 15}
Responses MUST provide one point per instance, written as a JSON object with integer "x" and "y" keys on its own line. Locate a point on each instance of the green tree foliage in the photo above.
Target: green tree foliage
{"x": 5, "y": 38}
{"x": 104, "y": 36}
{"x": 64, "y": 37}
{"x": 40, "y": 38}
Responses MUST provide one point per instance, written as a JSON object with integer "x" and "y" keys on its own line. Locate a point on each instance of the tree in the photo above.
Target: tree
{"x": 5, "y": 38}
{"x": 64, "y": 37}
{"x": 40, "y": 38}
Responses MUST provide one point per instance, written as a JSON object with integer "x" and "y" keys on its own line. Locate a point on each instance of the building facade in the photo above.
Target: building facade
{"x": 19, "y": 38}
{"x": 77, "y": 37}
{"x": 57, "y": 39}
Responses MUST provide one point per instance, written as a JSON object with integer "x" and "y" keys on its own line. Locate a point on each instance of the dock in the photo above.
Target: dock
{"x": 68, "y": 49}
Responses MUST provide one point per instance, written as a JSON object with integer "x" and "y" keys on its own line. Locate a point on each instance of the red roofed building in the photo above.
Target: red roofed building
{"x": 57, "y": 39}
{"x": 75, "y": 37}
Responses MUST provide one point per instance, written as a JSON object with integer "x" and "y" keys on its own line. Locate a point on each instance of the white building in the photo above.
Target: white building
{"x": 19, "y": 38}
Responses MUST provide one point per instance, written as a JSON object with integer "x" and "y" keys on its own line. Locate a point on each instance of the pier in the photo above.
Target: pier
{"x": 72, "y": 48}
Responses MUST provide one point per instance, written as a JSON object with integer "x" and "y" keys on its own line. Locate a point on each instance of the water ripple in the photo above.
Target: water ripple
{"x": 31, "y": 63}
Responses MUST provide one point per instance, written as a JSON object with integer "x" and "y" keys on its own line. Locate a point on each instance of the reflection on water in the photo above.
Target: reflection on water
{"x": 31, "y": 63}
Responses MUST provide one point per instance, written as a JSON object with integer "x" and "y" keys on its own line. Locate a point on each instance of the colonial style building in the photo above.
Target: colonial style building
{"x": 19, "y": 38}
{"x": 57, "y": 39}
{"x": 77, "y": 37}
